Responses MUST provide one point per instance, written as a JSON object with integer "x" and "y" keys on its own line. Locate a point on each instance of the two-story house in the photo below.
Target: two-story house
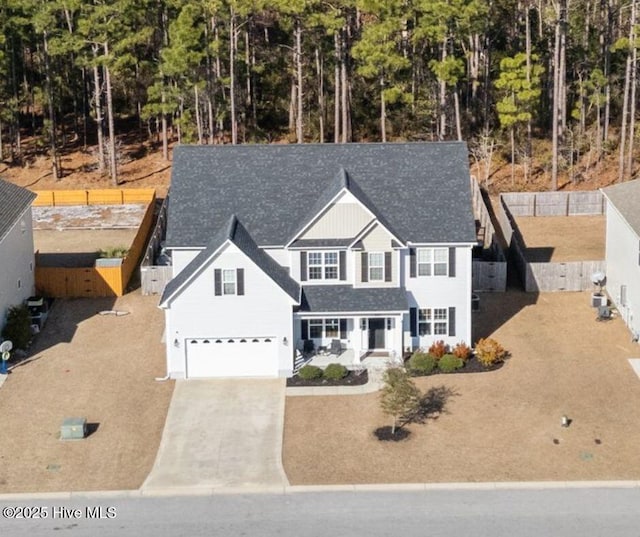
{"x": 16, "y": 247}
{"x": 623, "y": 251}
{"x": 273, "y": 245}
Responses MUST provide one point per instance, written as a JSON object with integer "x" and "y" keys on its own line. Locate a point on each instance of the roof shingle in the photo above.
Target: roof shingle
{"x": 13, "y": 202}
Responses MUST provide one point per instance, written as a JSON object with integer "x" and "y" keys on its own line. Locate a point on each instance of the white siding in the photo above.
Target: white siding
{"x": 623, "y": 268}
{"x": 17, "y": 263}
{"x": 442, "y": 292}
{"x": 263, "y": 311}
{"x": 181, "y": 258}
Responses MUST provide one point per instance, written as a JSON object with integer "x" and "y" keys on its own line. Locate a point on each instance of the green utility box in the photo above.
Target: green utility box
{"x": 73, "y": 429}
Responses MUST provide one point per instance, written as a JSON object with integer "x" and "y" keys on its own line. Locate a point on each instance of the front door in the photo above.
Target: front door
{"x": 376, "y": 333}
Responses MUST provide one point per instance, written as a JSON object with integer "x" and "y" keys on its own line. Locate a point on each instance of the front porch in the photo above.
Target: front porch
{"x": 352, "y": 359}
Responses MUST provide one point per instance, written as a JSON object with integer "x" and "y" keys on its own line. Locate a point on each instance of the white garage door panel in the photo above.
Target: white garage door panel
{"x": 232, "y": 357}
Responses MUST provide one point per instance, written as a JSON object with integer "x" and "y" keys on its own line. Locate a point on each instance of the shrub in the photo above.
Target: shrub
{"x": 422, "y": 363}
{"x": 310, "y": 372}
{"x": 439, "y": 349}
{"x": 18, "y": 326}
{"x": 462, "y": 351}
{"x": 334, "y": 372}
{"x": 449, "y": 363}
{"x": 489, "y": 352}
{"x": 113, "y": 252}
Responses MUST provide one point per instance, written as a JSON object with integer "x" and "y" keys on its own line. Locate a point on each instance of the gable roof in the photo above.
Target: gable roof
{"x": 626, "y": 198}
{"x": 13, "y": 202}
{"x": 234, "y": 232}
{"x": 420, "y": 190}
{"x": 342, "y": 182}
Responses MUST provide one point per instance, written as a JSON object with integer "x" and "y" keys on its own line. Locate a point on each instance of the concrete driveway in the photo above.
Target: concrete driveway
{"x": 222, "y": 433}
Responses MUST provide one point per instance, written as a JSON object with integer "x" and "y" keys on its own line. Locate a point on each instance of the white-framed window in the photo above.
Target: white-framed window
{"x": 324, "y": 328}
{"x": 322, "y": 265}
{"x": 433, "y": 261}
{"x": 229, "y": 282}
{"x": 433, "y": 321}
{"x": 316, "y": 327}
{"x": 376, "y": 266}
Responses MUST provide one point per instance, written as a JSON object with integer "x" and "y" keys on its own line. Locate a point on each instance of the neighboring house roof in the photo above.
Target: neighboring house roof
{"x": 13, "y": 202}
{"x": 345, "y": 298}
{"x": 626, "y": 198}
{"x": 419, "y": 191}
{"x": 234, "y": 232}
{"x": 321, "y": 243}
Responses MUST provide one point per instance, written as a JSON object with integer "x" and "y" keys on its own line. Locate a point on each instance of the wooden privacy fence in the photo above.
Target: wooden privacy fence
{"x": 487, "y": 275}
{"x": 555, "y": 203}
{"x": 154, "y": 278}
{"x": 109, "y": 277}
{"x": 551, "y": 276}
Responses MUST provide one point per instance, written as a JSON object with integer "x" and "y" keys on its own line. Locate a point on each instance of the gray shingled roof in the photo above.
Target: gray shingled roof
{"x": 420, "y": 189}
{"x": 626, "y": 198}
{"x": 321, "y": 243}
{"x": 13, "y": 202}
{"x": 344, "y": 298}
{"x": 236, "y": 233}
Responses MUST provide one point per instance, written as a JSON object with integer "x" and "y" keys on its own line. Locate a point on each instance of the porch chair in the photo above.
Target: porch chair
{"x": 336, "y": 347}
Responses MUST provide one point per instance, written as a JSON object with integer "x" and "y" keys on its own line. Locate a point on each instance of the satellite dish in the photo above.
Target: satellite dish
{"x": 6, "y": 346}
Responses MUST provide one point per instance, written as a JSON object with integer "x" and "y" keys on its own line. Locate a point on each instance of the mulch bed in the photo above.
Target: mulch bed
{"x": 352, "y": 379}
{"x": 471, "y": 366}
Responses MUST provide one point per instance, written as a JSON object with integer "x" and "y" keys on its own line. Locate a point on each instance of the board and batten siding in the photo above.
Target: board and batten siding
{"x": 340, "y": 221}
{"x": 18, "y": 263}
{"x": 377, "y": 239}
{"x": 623, "y": 268}
{"x": 263, "y": 311}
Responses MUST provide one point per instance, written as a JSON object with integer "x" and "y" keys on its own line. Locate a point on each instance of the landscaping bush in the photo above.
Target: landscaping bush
{"x": 462, "y": 351}
{"x": 335, "y": 372}
{"x": 18, "y": 326}
{"x": 113, "y": 252}
{"x": 439, "y": 349}
{"x": 422, "y": 363}
{"x": 310, "y": 372}
{"x": 489, "y": 352}
{"x": 449, "y": 363}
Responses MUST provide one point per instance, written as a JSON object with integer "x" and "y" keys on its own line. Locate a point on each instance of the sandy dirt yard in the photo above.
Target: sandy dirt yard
{"x": 563, "y": 238}
{"x": 93, "y": 366}
{"x": 503, "y": 425}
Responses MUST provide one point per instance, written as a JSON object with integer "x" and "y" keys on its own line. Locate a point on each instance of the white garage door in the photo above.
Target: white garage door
{"x": 232, "y": 357}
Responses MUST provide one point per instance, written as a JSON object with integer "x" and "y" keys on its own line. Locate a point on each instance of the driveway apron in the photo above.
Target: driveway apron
{"x": 222, "y": 433}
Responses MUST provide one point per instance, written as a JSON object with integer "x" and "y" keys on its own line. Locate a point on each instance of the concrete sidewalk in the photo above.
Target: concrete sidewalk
{"x": 222, "y": 433}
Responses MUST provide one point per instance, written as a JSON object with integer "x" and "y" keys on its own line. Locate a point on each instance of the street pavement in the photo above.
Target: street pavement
{"x": 570, "y": 512}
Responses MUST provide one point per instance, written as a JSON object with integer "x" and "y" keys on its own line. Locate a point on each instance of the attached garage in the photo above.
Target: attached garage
{"x": 232, "y": 357}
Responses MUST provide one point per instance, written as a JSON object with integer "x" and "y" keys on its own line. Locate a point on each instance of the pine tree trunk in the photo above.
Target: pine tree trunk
{"x": 97, "y": 103}
{"x": 298, "y": 62}
{"x": 527, "y": 150}
{"x": 320, "y": 75}
{"x": 344, "y": 90}
{"x": 232, "y": 76}
{"x": 625, "y": 107}
{"x": 198, "y": 116}
{"x": 456, "y": 107}
{"x": 383, "y": 112}
{"x": 633, "y": 83}
{"x": 443, "y": 96}
{"x": 557, "y": 74}
{"x": 113, "y": 169}
{"x": 52, "y": 116}
{"x": 336, "y": 90}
